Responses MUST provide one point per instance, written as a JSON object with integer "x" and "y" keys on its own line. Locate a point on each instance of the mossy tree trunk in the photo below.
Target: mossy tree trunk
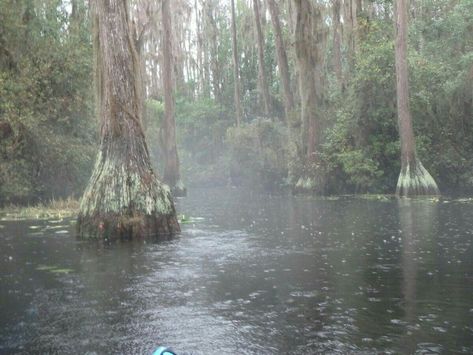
{"x": 414, "y": 179}
{"x": 263, "y": 81}
{"x": 236, "y": 69}
{"x": 171, "y": 175}
{"x": 124, "y": 198}
{"x": 336, "y": 50}
{"x": 310, "y": 38}
{"x": 283, "y": 66}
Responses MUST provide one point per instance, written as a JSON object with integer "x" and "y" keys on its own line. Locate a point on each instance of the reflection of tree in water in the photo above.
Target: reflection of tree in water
{"x": 417, "y": 223}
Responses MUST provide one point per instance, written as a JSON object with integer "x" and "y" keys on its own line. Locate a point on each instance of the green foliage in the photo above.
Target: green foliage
{"x": 442, "y": 91}
{"x": 203, "y": 123}
{"x": 258, "y": 154}
{"x": 201, "y": 127}
{"x": 46, "y": 127}
{"x": 361, "y": 149}
{"x": 48, "y": 131}
{"x": 361, "y": 142}
{"x": 360, "y": 169}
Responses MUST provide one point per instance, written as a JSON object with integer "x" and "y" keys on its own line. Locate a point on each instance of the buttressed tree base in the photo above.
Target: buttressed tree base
{"x": 415, "y": 180}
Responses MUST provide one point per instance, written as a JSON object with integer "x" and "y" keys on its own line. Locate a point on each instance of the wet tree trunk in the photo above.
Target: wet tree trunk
{"x": 206, "y": 26}
{"x": 215, "y": 63}
{"x": 336, "y": 55}
{"x": 282, "y": 59}
{"x": 262, "y": 75}
{"x": 124, "y": 198}
{"x": 236, "y": 68}
{"x": 349, "y": 31}
{"x": 414, "y": 179}
{"x": 310, "y": 37}
{"x": 171, "y": 175}
{"x": 199, "y": 78}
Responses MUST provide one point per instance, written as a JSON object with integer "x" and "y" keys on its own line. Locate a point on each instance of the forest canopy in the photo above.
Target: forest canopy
{"x": 274, "y": 94}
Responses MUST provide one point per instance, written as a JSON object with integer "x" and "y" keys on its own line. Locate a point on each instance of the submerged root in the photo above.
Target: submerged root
{"x": 415, "y": 180}
{"x": 121, "y": 227}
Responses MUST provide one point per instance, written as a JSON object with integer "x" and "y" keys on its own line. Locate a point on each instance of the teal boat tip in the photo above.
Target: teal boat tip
{"x": 162, "y": 350}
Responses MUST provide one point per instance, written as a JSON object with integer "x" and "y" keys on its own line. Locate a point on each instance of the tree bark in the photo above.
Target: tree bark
{"x": 349, "y": 29}
{"x": 337, "y": 57}
{"x": 207, "y": 32}
{"x": 236, "y": 68}
{"x": 124, "y": 198}
{"x": 282, "y": 59}
{"x": 414, "y": 179}
{"x": 215, "y": 63}
{"x": 171, "y": 175}
{"x": 310, "y": 37}
{"x": 262, "y": 75}
{"x": 177, "y": 12}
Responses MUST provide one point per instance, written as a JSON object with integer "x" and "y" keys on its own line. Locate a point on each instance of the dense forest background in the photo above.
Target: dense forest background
{"x": 49, "y": 130}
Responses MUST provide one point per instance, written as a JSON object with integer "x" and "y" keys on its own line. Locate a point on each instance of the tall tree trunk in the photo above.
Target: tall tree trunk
{"x": 349, "y": 28}
{"x": 236, "y": 69}
{"x": 414, "y": 179}
{"x": 171, "y": 175}
{"x": 199, "y": 78}
{"x": 310, "y": 37}
{"x": 336, "y": 55}
{"x": 216, "y": 76}
{"x": 282, "y": 59}
{"x": 262, "y": 75}
{"x": 207, "y": 12}
{"x": 177, "y": 39}
{"x": 124, "y": 198}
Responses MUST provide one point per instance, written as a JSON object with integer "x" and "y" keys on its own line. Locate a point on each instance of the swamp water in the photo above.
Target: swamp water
{"x": 249, "y": 274}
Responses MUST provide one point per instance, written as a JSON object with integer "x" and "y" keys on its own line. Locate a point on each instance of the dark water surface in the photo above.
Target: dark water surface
{"x": 254, "y": 274}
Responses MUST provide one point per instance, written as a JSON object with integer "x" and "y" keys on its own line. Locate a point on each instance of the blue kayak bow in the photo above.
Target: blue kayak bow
{"x": 162, "y": 350}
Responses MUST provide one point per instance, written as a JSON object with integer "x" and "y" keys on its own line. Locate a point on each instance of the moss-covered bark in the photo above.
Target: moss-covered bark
{"x": 124, "y": 198}
{"x": 310, "y": 39}
{"x": 415, "y": 180}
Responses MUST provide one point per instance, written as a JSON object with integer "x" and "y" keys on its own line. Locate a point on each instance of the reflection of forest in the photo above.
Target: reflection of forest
{"x": 418, "y": 222}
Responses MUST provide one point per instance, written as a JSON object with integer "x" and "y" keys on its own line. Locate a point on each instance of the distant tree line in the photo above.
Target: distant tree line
{"x": 267, "y": 93}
